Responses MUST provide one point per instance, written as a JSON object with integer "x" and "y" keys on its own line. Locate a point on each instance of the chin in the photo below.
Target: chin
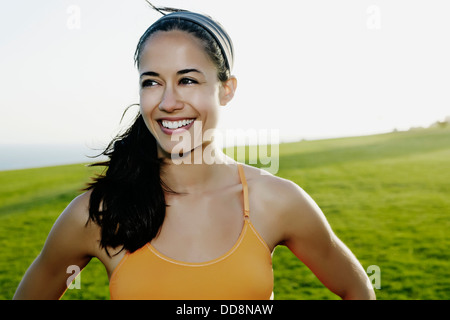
{"x": 175, "y": 152}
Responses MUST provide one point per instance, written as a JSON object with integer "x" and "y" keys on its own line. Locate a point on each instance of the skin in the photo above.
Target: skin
{"x": 205, "y": 219}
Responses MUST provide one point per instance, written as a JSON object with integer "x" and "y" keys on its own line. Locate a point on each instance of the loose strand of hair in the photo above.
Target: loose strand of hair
{"x": 164, "y": 10}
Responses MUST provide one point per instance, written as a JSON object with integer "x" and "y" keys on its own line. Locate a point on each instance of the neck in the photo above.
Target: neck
{"x": 195, "y": 172}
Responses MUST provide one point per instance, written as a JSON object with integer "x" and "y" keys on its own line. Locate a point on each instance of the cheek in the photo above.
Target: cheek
{"x": 147, "y": 103}
{"x": 212, "y": 112}
{"x": 147, "y": 107}
{"x": 207, "y": 103}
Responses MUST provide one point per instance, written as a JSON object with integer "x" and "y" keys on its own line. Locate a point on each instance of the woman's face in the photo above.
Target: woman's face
{"x": 180, "y": 93}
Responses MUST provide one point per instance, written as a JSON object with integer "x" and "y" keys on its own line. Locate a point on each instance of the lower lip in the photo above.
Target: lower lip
{"x": 175, "y": 131}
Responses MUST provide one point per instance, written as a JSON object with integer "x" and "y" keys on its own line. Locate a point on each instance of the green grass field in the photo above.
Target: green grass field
{"x": 387, "y": 197}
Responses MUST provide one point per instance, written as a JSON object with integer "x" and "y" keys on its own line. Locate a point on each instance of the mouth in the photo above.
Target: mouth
{"x": 175, "y": 125}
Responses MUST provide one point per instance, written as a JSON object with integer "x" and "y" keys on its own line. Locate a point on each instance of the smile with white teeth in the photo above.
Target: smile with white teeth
{"x": 176, "y": 124}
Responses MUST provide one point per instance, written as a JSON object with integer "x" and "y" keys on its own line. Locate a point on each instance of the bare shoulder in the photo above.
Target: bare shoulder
{"x": 78, "y": 208}
{"x": 77, "y": 212}
{"x": 275, "y": 203}
{"x": 295, "y": 216}
{"x": 74, "y": 230}
{"x": 274, "y": 191}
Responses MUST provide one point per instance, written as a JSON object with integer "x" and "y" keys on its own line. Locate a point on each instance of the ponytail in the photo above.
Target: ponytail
{"x": 127, "y": 200}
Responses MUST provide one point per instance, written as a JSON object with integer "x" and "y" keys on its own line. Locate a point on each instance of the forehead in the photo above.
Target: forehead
{"x": 174, "y": 49}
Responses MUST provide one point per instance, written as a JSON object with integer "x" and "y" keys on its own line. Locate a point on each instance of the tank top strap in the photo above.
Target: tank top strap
{"x": 244, "y": 190}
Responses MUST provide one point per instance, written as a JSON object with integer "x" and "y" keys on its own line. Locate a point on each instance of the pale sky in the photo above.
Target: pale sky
{"x": 309, "y": 69}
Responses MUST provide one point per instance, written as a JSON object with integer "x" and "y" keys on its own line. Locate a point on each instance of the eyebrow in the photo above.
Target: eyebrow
{"x": 149, "y": 73}
{"x": 184, "y": 71}
{"x": 181, "y": 72}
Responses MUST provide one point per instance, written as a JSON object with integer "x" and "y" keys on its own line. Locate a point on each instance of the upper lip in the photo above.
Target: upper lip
{"x": 175, "y": 118}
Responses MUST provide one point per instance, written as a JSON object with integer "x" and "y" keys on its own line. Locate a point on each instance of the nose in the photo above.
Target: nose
{"x": 170, "y": 101}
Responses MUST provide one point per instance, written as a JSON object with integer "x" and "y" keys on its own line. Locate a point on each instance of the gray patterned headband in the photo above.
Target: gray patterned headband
{"x": 212, "y": 27}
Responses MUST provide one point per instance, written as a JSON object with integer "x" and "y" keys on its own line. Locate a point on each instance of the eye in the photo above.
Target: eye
{"x": 187, "y": 81}
{"x": 149, "y": 83}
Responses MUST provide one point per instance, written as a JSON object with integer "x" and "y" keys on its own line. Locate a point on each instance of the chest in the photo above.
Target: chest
{"x": 198, "y": 229}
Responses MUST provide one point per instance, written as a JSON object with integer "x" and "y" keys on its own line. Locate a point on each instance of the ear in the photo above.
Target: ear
{"x": 227, "y": 90}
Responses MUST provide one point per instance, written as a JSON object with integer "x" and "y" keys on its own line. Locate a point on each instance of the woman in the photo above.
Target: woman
{"x": 170, "y": 224}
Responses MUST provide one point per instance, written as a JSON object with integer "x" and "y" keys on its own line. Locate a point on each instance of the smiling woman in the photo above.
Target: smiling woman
{"x": 174, "y": 80}
{"x": 195, "y": 230}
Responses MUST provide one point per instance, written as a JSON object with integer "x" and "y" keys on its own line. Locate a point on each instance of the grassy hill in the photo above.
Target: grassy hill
{"x": 386, "y": 196}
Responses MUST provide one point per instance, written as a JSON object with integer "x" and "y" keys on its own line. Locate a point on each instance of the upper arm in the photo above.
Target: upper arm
{"x": 309, "y": 236}
{"x": 70, "y": 243}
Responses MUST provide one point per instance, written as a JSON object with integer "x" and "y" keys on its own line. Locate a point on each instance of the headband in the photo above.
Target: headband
{"x": 212, "y": 27}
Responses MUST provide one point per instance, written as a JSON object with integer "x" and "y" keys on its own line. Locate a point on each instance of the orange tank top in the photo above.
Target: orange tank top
{"x": 242, "y": 273}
